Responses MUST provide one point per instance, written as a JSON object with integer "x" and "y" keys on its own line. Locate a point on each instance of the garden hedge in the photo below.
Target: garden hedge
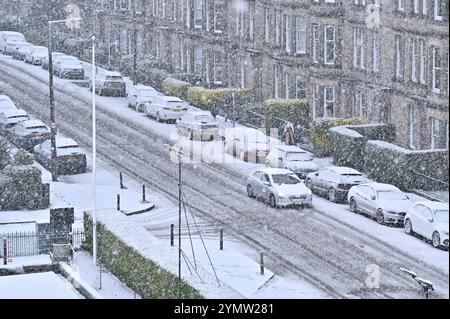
{"x": 174, "y": 87}
{"x": 278, "y": 111}
{"x": 139, "y": 273}
{"x": 320, "y": 135}
{"x": 347, "y": 147}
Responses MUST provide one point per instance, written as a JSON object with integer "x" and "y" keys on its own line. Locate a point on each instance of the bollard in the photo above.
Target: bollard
{"x": 143, "y": 193}
{"x": 221, "y": 239}
{"x": 261, "y": 262}
{"x": 5, "y": 252}
{"x": 118, "y": 201}
{"x": 121, "y": 180}
{"x": 172, "y": 237}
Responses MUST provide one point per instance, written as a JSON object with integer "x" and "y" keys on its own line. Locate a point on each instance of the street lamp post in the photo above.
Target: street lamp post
{"x": 94, "y": 160}
{"x": 52, "y": 96}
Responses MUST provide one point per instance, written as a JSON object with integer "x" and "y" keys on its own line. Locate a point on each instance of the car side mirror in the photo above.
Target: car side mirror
{"x": 317, "y": 174}
{"x": 407, "y": 197}
{"x": 373, "y": 197}
{"x": 431, "y": 220}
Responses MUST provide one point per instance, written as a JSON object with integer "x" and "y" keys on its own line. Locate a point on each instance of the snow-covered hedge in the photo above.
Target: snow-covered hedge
{"x": 379, "y": 131}
{"x": 174, "y": 87}
{"x": 347, "y": 147}
{"x": 278, "y": 111}
{"x": 5, "y": 157}
{"x": 407, "y": 169}
{"x": 320, "y": 135}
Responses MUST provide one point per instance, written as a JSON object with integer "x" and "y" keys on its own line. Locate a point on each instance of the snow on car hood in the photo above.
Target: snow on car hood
{"x": 292, "y": 189}
{"x": 301, "y": 166}
{"x": 396, "y": 205}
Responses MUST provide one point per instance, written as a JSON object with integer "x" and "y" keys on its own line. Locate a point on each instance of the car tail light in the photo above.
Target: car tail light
{"x": 341, "y": 186}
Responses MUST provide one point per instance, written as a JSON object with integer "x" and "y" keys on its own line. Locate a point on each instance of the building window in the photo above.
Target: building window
{"x": 425, "y": 7}
{"x": 376, "y": 51}
{"x": 436, "y": 71}
{"x": 217, "y": 68}
{"x": 163, "y": 8}
{"x": 288, "y": 33}
{"x": 437, "y": 10}
{"x": 300, "y": 87}
{"x": 277, "y": 27}
{"x": 218, "y": 17}
{"x": 439, "y": 134}
{"x": 300, "y": 35}
{"x": 398, "y": 57}
{"x": 400, "y": 5}
{"x": 358, "y": 48}
{"x": 198, "y": 14}
{"x": 243, "y": 73}
{"x": 315, "y": 44}
{"x": 422, "y": 61}
{"x": 361, "y": 104}
{"x": 360, "y": 2}
{"x": 412, "y": 128}
{"x": 138, "y": 6}
{"x": 414, "y": 59}
{"x": 329, "y": 45}
{"x": 198, "y": 61}
{"x": 158, "y": 48}
{"x": 415, "y": 6}
{"x": 315, "y": 99}
{"x": 276, "y": 82}
{"x": 328, "y": 101}
{"x": 286, "y": 87}
{"x": 266, "y": 25}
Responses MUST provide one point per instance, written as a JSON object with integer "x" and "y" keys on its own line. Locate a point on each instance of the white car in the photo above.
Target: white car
{"x": 251, "y": 145}
{"x": 9, "y": 118}
{"x": 279, "y": 187}
{"x": 139, "y": 95}
{"x": 68, "y": 67}
{"x": 6, "y": 104}
{"x": 36, "y": 55}
{"x": 9, "y": 39}
{"x": 22, "y": 50}
{"x": 385, "y": 202}
{"x": 109, "y": 82}
{"x": 198, "y": 125}
{"x": 44, "y": 62}
{"x": 14, "y": 47}
{"x": 292, "y": 157}
{"x": 166, "y": 108}
{"x": 430, "y": 220}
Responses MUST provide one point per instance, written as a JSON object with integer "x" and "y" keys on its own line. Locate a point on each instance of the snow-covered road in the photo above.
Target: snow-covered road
{"x": 313, "y": 244}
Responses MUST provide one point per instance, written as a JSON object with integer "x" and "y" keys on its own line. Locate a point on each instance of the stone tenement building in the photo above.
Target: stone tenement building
{"x": 386, "y": 60}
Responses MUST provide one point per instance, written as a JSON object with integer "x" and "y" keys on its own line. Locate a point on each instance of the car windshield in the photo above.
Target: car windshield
{"x": 14, "y": 38}
{"x": 70, "y": 61}
{"x": 114, "y": 78}
{"x": 37, "y": 129}
{"x": 18, "y": 118}
{"x": 441, "y": 216}
{"x": 26, "y": 47}
{"x": 40, "y": 51}
{"x": 298, "y": 156}
{"x": 204, "y": 118}
{"x": 391, "y": 195}
{"x": 288, "y": 179}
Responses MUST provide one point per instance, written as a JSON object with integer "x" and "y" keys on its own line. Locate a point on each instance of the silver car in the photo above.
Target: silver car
{"x": 385, "y": 202}
{"x": 279, "y": 187}
{"x": 334, "y": 182}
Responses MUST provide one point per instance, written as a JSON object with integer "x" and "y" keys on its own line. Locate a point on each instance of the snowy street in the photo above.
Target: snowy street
{"x": 327, "y": 245}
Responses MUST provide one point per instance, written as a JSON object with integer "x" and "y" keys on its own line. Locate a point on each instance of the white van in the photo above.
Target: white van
{"x": 9, "y": 38}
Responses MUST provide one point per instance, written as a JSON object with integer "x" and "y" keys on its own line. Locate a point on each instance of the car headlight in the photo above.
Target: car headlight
{"x": 282, "y": 195}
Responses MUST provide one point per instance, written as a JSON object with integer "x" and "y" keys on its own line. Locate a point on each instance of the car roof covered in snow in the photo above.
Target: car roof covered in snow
{"x": 14, "y": 112}
{"x": 110, "y": 73}
{"x": 196, "y": 113}
{"x": 39, "y": 47}
{"x": 65, "y": 142}
{"x": 31, "y": 123}
{"x": 171, "y": 99}
{"x": 290, "y": 148}
{"x": 433, "y": 205}
{"x": 144, "y": 87}
{"x": 381, "y": 186}
{"x": 342, "y": 170}
{"x": 272, "y": 171}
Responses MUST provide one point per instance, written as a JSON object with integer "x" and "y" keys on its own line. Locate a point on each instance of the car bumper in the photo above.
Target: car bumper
{"x": 299, "y": 201}
{"x": 392, "y": 218}
{"x": 37, "y": 61}
{"x": 73, "y": 74}
{"x": 114, "y": 91}
{"x": 205, "y": 135}
{"x": 171, "y": 116}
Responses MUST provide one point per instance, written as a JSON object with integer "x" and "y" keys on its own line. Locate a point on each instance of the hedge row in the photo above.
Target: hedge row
{"x": 347, "y": 147}
{"x": 139, "y": 273}
{"x": 174, "y": 87}
{"x": 278, "y": 111}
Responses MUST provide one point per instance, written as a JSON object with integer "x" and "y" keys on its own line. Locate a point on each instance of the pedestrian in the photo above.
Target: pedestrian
{"x": 288, "y": 134}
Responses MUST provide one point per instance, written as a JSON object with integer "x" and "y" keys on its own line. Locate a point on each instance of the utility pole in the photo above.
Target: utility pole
{"x": 94, "y": 161}
{"x": 135, "y": 45}
{"x": 52, "y": 104}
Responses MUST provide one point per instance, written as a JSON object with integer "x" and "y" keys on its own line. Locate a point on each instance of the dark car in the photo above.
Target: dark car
{"x": 28, "y": 134}
{"x": 70, "y": 159}
{"x": 334, "y": 182}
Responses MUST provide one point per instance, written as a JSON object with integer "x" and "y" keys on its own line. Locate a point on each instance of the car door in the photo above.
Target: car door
{"x": 323, "y": 180}
{"x": 362, "y": 197}
{"x": 256, "y": 182}
{"x": 420, "y": 220}
{"x": 428, "y": 224}
{"x": 371, "y": 204}
{"x": 265, "y": 189}
{"x": 132, "y": 97}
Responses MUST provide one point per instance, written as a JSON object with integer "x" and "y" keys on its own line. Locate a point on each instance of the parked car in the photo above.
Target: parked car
{"x": 6, "y": 104}
{"x": 69, "y": 67}
{"x": 109, "y": 82}
{"x": 334, "y": 182}
{"x": 28, "y": 134}
{"x": 44, "y": 62}
{"x": 36, "y": 55}
{"x": 198, "y": 125}
{"x": 14, "y": 47}
{"x": 279, "y": 187}
{"x": 249, "y": 144}
{"x": 430, "y": 220}
{"x": 9, "y": 38}
{"x": 166, "y": 108}
{"x": 292, "y": 157}
{"x": 70, "y": 159}
{"x": 385, "y": 202}
{"x": 9, "y": 118}
{"x": 22, "y": 49}
{"x": 139, "y": 95}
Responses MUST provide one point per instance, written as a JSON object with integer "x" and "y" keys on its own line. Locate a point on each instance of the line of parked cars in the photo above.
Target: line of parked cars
{"x": 34, "y": 136}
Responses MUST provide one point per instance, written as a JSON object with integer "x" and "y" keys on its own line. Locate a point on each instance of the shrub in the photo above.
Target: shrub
{"x": 381, "y": 131}
{"x": 22, "y": 157}
{"x": 293, "y": 111}
{"x": 176, "y": 87}
{"x": 347, "y": 147}
{"x": 320, "y": 135}
{"x": 5, "y": 157}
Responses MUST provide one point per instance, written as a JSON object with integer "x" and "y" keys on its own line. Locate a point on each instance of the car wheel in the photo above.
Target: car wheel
{"x": 408, "y": 227}
{"x": 309, "y": 184}
{"x": 250, "y": 191}
{"x": 352, "y": 204}
{"x": 100, "y": 91}
{"x": 158, "y": 117}
{"x": 380, "y": 217}
{"x": 272, "y": 201}
{"x": 332, "y": 195}
{"x": 436, "y": 239}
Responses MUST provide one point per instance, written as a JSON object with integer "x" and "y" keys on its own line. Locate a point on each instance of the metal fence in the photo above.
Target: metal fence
{"x": 32, "y": 243}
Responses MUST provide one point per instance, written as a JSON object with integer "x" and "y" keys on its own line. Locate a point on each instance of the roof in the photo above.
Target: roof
{"x": 381, "y": 186}
{"x": 433, "y": 205}
{"x": 290, "y": 148}
{"x": 271, "y": 170}
{"x": 62, "y": 141}
{"x": 32, "y": 123}
{"x": 342, "y": 170}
